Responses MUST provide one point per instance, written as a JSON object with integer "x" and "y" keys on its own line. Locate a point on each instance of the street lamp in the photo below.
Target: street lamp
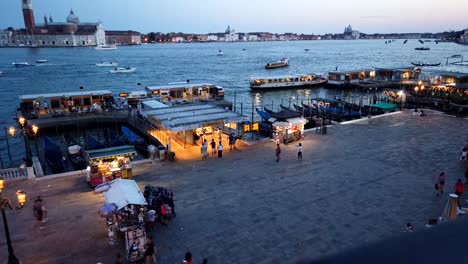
{"x": 26, "y": 133}
{"x": 5, "y": 203}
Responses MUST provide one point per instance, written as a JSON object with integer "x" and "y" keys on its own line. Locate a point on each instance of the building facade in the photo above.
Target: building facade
{"x": 121, "y": 37}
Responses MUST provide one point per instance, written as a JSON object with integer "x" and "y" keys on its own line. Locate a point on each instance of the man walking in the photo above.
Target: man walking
{"x": 277, "y": 152}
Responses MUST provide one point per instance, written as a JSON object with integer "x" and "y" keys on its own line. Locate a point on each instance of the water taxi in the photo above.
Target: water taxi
{"x": 107, "y": 64}
{"x": 21, "y": 64}
{"x": 290, "y": 81}
{"x": 42, "y": 61}
{"x": 106, "y": 47}
{"x": 284, "y": 62}
{"x": 123, "y": 70}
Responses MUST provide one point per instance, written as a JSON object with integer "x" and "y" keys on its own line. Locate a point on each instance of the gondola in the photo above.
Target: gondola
{"x": 93, "y": 143}
{"x": 53, "y": 155}
{"x": 131, "y": 136}
{"x": 262, "y": 114}
{"x": 425, "y": 64}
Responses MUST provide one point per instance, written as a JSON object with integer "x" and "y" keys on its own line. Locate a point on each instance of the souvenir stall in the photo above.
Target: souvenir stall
{"x": 108, "y": 164}
{"x": 288, "y": 125}
{"x": 128, "y": 206}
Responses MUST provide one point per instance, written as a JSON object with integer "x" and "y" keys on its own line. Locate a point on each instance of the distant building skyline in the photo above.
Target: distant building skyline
{"x": 298, "y": 16}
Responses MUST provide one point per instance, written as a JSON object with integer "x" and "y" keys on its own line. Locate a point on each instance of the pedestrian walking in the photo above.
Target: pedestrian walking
{"x": 213, "y": 147}
{"x": 170, "y": 203}
{"x": 151, "y": 218}
{"x": 459, "y": 189}
{"x": 299, "y": 151}
{"x": 220, "y": 150}
{"x": 277, "y": 140}
{"x": 188, "y": 258}
{"x": 439, "y": 186}
{"x": 150, "y": 251}
{"x": 37, "y": 208}
{"x": 277, "y": 152}
{"x": 118, "y": 258}
{"x": 231, "y": 141}
{"x": 163, "y": 214}
{"x": 204, "y": 150}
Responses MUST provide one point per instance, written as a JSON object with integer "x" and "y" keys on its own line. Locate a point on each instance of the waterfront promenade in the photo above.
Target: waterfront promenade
{"x": 360, "y": 183}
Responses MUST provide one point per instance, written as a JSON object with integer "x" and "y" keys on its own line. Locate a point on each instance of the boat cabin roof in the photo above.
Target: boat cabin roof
{"x": 282, "y": 77}
{"x": 178, "y": 86}
{"x": 351, "y": 71}
{"x": 153, "y": 104}
{"x": 397, "y": 69}
{"x": 458, "y": 75}
{"x": 65, "y": 94}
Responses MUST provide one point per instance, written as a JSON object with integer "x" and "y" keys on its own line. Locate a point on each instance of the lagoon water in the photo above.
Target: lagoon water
{"x": 70, "y": 68}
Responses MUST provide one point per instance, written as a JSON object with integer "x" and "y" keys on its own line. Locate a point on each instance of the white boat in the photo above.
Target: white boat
{"x": 42, "y": 61}
{"x": 284, "y": 62}
{"x": 21, "y": 64}
{"x": 287, "y": 81}
{"x": 106, "y": 47}
{"x": 107, "y": 64}
{"x": 123, "y": 70}
{"x": 1, "y": 73}
{"x": 220, "y": 53}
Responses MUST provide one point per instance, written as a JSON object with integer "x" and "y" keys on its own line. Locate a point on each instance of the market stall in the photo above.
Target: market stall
{"x": 108, "y": 164}
{"x": 130, "y": 208}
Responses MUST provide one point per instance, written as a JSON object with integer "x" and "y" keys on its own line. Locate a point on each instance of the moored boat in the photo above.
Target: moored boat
{"x": 107, "y": 64}
{"x": 420, "y": 64}
{"x": 289, "y": 81}
{"x": 123, "y": 70}
{"x": 21, "y": 64}
{"x": 75, "y": 155}
{"x": 53, "y": 155}
{"x": 106, "y": 47}
{"x": 42, "y": 61}
{"x": 283, "y": 62}
{"x": 422, "y": 48}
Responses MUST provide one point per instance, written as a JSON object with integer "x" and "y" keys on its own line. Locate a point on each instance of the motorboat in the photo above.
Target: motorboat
{"x": 123, "y": 70}
{"x": 306, "y": 49}
{"x": 106, "y": 47}
{"x": 283, "y": 62}
{"x": 420, "y": 64}
{"x": 21, "y": 64}
{"x": 42, "y": 61}
{"x": 107, "y": 64}
{"x": 287, "y": 81}
{"x": 422, "y": 48}
{"x": 220, "y": 53}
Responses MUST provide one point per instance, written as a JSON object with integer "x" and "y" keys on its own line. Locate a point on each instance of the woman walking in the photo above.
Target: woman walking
{"x": 220, "y": 150}
{"x": 204, "y": 150}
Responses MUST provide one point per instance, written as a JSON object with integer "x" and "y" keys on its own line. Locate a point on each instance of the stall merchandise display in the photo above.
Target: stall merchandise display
{"x": 135, "y": 240}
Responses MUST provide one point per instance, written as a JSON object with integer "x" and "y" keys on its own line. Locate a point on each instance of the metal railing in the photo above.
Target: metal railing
{"x": 14, "y": 174}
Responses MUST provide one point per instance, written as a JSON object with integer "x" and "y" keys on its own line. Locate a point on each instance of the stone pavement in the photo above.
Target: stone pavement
{"x": 360, "y": 183}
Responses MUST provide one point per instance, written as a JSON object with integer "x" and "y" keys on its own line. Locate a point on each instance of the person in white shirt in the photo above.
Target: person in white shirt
{"x": 299, "y": 151}
{"x": 220, "y": 150}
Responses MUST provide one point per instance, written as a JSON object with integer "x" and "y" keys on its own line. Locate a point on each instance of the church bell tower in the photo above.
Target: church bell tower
{"x": 28, "y": 14}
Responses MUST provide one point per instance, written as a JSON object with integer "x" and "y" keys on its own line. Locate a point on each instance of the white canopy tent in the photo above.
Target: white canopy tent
{"x": 124, "y": 192}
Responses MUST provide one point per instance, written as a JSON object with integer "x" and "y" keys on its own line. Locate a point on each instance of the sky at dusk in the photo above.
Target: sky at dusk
{"x": 279, "y": 16}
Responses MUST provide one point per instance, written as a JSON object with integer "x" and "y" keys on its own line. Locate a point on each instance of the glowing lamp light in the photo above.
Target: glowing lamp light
{"x": 34, "y": 129}
{"x": 2, "y": 183}
{"x": 419, "y": 83}
{"x": 422, "y": 87}
{"x": 22, "y": 121}
{"x": 12, "y": 131}
{"x": 416, "y": 89}
{"x": 21, "y": 195}
{"x": 400, "y": 93}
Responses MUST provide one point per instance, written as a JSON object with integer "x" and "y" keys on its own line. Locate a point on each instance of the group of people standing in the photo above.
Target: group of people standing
{"x": 215, "y": 149}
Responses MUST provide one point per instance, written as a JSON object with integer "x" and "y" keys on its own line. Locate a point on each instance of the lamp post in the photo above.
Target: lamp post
{"x": 24, "y": 131}
{"x": 5, "y": 203}
{"x": 418, "y": 89}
